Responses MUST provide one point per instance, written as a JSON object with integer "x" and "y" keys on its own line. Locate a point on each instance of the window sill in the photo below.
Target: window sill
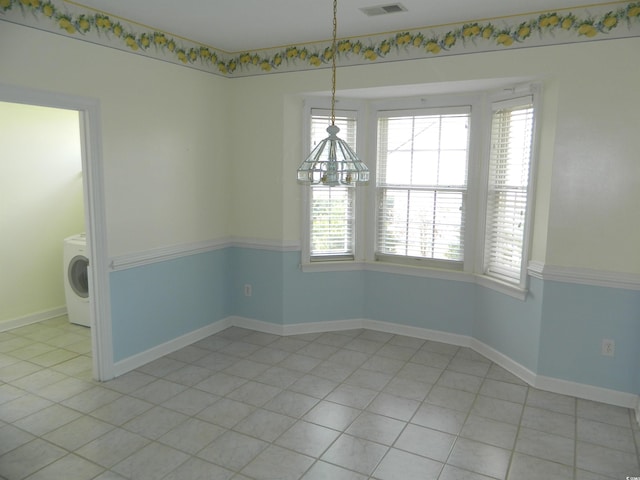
{"x": 386, "y": 267}
{"x": 337, "y": 266}
{"x": 416, "y": 271}
{"x": 502, "y": 287}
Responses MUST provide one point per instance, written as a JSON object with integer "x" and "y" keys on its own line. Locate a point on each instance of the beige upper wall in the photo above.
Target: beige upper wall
{"x": 164, "y": 135}
{"x": 594, "y": 220}
{"x": 190, "y": 156}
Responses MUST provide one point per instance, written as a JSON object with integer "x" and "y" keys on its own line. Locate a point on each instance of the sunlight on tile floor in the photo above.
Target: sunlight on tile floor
{"x": 347, "y": 405}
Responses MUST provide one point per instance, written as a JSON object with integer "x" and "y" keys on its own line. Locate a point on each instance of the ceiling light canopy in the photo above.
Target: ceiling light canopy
{"x": 333, "y": 162}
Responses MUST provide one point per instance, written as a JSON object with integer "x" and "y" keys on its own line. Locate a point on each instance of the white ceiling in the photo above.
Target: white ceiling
{"x": 240, "y": 25}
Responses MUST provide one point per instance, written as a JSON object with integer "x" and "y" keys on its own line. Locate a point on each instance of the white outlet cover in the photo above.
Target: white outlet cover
{"x": 608, "y": 347}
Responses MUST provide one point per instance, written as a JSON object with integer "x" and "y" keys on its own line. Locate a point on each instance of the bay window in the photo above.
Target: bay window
{"x": 450, "y": 188}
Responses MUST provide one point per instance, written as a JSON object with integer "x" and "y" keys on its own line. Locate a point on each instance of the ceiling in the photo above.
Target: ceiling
{"x": 248, "y": 25}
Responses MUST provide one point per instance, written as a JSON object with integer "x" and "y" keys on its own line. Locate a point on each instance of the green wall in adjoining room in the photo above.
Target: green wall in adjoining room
{"x": 41, "y": 203}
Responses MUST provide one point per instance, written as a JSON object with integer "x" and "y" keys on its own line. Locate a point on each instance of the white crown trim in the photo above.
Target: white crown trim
{"x": 162, "y": 254}
{"x": 148, "y": 257}
{"x": 585, "y": 276}
{"x": 261, "y": 244}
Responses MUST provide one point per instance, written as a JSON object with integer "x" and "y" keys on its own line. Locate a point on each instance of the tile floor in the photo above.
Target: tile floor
{"x": 244, "y": 405}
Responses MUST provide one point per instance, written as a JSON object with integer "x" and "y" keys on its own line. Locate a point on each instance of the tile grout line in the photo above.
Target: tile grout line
{"x": 515, "y": 440}
{"x": 575, "y": 440}
{"x": 466, "y": 418}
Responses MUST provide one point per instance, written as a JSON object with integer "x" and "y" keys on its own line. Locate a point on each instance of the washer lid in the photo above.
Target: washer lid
{"x": 79, "y": 239}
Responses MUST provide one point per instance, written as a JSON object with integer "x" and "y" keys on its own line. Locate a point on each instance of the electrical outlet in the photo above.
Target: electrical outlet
{"x": 248, "y": 290}
{"x": 608, "y": 347}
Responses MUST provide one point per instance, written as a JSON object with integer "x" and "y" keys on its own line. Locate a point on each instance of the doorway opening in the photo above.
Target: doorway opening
{"x": 89, "y": 181}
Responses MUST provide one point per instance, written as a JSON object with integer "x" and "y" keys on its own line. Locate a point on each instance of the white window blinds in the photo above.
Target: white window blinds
{"x": 422, "y": 184}
{"x": 332, "y": 208}
{"x": 507, "y": 200}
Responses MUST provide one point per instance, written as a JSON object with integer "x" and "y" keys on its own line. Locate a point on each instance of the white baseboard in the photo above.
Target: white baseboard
{"x": 32, "y": 318}
{"x": 504, "y": 361}
{"x": 565, "y": 387}
{"x": 587, "y": 392}
{"x": 419, "y": 332}
{"x": 140, "y": 359}
{"x": 298, "y": 328}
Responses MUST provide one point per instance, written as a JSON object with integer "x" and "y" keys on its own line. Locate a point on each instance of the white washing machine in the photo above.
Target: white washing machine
{"x": 76, "y": 279}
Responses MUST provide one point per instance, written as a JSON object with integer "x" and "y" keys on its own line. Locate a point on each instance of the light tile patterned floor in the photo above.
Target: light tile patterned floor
{"x": 350, "y": 405}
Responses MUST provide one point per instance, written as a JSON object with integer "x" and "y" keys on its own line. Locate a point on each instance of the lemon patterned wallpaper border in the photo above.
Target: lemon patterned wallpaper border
{"x": 595, "y": 22}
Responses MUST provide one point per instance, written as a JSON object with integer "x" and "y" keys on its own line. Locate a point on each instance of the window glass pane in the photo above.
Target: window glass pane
{"x": 426, "y": 224}
{"x": 427, "y": 133}
{"x": 454, "y": 128}
{"x": 425, "y": 169}
{"x": 331, "y": 221}
{"x": 452, "y": 168}
{"x": 400, "y": 171}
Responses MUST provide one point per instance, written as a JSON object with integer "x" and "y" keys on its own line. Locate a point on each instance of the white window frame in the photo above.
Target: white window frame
{"x": 519, "y": 289}
{"x": 333, "y": 262}
{"x": 416, "y": 106}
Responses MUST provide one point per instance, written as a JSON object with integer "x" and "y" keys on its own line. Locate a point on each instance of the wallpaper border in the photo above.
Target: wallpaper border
{"x": 590, "y": 23}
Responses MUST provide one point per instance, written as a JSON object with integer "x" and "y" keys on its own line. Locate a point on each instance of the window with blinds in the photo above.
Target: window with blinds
{"x": 332, "y": 208}
{"x": 422, "y": 185}
{"x": 507, "y": 194}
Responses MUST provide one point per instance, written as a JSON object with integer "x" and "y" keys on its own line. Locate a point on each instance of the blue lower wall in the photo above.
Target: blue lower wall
{"x": 318, "y": 296}
{"x": 575, "y": 320}
{"x": 156, "y": 303}
{"x": 262, "y": 269}
{"x": 283, "y": 294}
{"x": 435, "y": 304}
{"x": 556, "y": 332}
{"x": 509, "y": 325}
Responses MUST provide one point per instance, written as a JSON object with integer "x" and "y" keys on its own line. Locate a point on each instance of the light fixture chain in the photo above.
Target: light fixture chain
{"x": 332, "y": 162}
{"x": 333, "y": 62}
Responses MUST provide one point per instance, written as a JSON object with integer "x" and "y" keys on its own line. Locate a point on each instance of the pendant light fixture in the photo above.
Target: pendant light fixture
{"x": 333, "y": 162}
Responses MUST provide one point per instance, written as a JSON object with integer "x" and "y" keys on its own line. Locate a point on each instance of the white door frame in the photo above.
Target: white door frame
{"x": 95, "y": 218}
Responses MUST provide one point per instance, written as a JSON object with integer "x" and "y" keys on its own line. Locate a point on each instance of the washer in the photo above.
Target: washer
{"x": 76, "y": 279}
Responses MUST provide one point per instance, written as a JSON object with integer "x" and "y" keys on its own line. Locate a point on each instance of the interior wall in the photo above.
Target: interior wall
{"x": 596, "y": 172}
{"x": 164, "y": 130}
{"x": 41, "y": 203}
